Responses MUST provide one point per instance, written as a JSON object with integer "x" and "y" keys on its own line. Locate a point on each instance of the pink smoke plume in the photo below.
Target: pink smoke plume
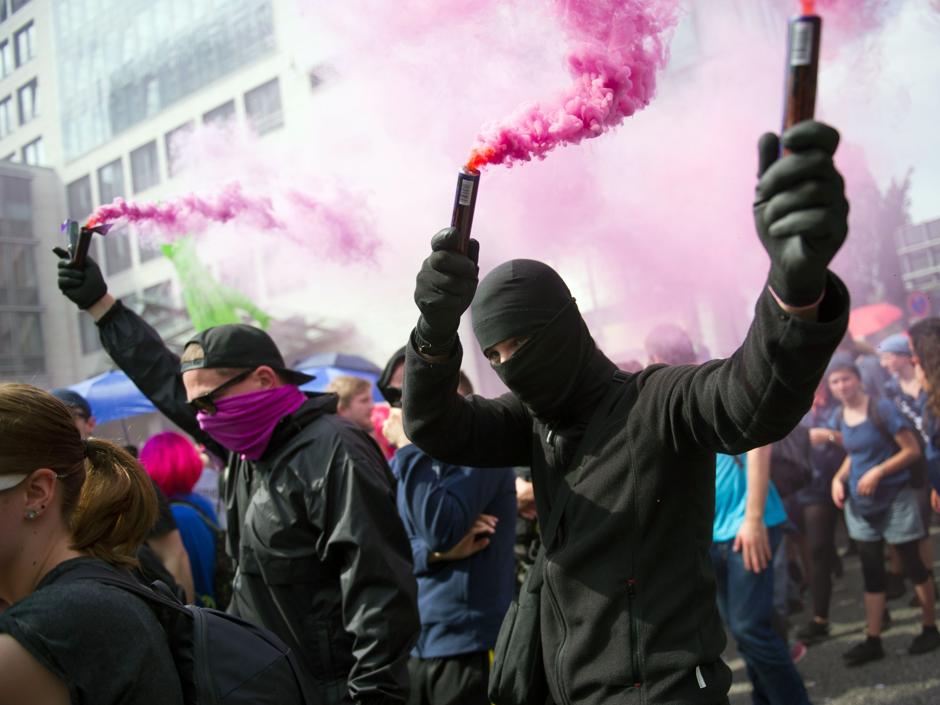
{"x": 621, "y": 45}
{"x": 191, "y": 213}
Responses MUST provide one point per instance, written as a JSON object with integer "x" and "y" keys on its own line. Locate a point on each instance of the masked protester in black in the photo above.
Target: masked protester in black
{"x": 623, "y": 465}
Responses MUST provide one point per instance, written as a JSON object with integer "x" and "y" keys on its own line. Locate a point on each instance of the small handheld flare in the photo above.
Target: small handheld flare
{"x": 802, "y": 65}
{"x": 80, "y": 239}
{"x": 465, "y": 200}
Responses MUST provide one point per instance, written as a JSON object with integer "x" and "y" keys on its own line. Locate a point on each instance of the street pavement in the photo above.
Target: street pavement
{"x": 898, "y": 679}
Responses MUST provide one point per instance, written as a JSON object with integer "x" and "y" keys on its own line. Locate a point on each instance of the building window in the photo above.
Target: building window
{"x": 25, "y": 41}
{"x": 263, "y": 107}
{"x": 17, "y": 4}
{"x": 28, "y": 98}
{"x": 175, "y": 142}
{"x": 6, "y": 116}
{"x": 6, "y": 58}
{"x": 220, "y": 115}
{"x": 21, "y": 351}
{"x": 79, "y": 198}
{"x": 145, "y": 169}
{"x": 16, "y": 208}
{"x": 117, "y": 248}
{"x": 34, "y": 154}
{"x": 3, "y": 10}
{"x": 19, "y": 282}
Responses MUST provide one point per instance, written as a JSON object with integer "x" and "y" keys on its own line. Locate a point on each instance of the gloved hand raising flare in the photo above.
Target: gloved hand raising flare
{"x": 800, "y": 210}
{"x": 443, "y": 291}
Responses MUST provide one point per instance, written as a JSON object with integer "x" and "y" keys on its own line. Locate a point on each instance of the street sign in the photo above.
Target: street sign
{"x": 918, "y": 303}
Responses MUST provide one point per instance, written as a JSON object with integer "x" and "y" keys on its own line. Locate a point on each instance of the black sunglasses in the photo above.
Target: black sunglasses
{"x": 206, "y": 402}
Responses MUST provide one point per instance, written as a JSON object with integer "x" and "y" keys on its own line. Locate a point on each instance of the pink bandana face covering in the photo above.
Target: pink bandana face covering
{"x": 244, "y": 423}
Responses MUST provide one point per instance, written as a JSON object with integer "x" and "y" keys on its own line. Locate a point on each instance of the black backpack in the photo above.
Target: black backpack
{"x": 220, "y": 659}
{"x": 224, "y": 566}
{"x": 790, "y": 466}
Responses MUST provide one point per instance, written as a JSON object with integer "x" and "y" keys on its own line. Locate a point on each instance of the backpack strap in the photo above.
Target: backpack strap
{"x": 879, "y": 423}
{"x": 108, "y": 576}
{"x": 206, "y": 519}
{"x": 591, "y": 434}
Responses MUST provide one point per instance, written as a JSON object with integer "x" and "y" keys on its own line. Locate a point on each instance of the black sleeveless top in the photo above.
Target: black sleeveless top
{"x": 104, "y": 643}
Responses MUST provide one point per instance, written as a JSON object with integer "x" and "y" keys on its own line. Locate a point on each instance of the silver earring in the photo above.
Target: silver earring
{"x": 31, "y": 514}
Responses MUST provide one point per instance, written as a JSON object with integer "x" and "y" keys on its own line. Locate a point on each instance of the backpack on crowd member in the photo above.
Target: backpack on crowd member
{"x": 918, "y": 468}
{"x": 790, "y": 465}
{"x": 220, "y": 659}
{"x": 224, "y": 566}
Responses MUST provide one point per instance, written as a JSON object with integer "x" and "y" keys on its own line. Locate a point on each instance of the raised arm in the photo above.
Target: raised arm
{"x": 464, "y": 431}
{"x": 134, "y": 346}
{"x": 763, "y": 390}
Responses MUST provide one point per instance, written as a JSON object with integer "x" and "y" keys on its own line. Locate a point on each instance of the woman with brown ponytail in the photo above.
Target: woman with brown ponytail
{"x": 65, "y": 502}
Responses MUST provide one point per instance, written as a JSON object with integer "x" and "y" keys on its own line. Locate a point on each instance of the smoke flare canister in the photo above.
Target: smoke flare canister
{"x": 79, "y": 242}
{"x": 802, "y": 67}
{"x": 465, "y": 200}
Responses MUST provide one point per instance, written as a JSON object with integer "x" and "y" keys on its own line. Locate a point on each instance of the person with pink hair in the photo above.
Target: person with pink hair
{"x": 175, "y": 465}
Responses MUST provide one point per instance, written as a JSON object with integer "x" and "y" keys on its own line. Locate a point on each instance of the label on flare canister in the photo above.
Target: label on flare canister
{"x": 466, "y": 192}
{"x": 801, "y": 44}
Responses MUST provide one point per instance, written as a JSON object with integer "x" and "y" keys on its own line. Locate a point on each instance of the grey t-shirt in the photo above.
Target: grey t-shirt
{"x": 104, "y": 643}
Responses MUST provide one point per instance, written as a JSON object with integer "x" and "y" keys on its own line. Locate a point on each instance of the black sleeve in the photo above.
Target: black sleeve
{"x": 138, "y": 350}
{"x": 757, "y": 395}
{"x": 363, "y": 534}
{"x": 460, "y": 430}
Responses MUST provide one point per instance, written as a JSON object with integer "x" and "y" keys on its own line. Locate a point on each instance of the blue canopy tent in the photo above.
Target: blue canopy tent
{"x": 113, "y": 396}
{"x": 327, "y": 366}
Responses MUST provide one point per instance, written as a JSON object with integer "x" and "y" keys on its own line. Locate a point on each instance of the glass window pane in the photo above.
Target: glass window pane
{"x": 175, "y": 141}
{"x": 117, "y": 250}
{"x": 16, "y": 210}
{"x": 263, "y": 107}
{"x": 17, "y": 4}
{"x": 6, "y": 116}
{"x": 34, "y": 154}
{"x": 25, "y": 41}
{"x": 111, "y": 181}
{"x": 145, "y": 169}
{"x": 79, "y": 198}
{"x": 221, "y": 114}
{"x": 28, "y": 98}
{"x": 6, "y": 58}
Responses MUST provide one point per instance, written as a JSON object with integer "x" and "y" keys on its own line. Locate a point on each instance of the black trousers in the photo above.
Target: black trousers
{"x": 453, "y": 680}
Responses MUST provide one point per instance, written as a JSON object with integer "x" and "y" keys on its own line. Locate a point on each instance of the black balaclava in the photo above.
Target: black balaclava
{"x": 559, "y": 374}
{"x": 392, "y": 394}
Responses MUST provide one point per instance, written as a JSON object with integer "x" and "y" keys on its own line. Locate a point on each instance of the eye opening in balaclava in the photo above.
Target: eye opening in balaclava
{"x": 559, "y": 366}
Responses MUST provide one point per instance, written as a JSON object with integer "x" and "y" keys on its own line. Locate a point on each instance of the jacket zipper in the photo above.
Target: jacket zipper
{"x": 634, "y": 634}
{"x": 559, "y": 679}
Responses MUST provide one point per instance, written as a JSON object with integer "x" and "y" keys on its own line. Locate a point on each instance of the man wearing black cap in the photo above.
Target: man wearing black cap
{"x": 620, "y": 606}
{"x": 323, "y": 560}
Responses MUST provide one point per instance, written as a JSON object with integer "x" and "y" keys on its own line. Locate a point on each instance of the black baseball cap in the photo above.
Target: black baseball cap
{"x": 72, "y": 399}
{"x": 241, "y": 346}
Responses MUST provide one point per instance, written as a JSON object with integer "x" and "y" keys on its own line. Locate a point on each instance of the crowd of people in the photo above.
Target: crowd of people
{"x": 378, "y": 543}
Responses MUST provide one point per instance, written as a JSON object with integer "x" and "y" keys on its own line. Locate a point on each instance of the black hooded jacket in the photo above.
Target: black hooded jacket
{"x": 323, "y": 560}
{"x": 628, "y": 608}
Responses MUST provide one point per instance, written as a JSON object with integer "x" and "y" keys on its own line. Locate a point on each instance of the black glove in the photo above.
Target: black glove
{"x": 800, "y": 210}
{"x": 84, "y": 286}
{"x": 443, "y": 291}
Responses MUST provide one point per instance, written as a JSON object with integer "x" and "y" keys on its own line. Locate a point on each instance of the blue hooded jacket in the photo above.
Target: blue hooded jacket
{"x": 461, "y": 603}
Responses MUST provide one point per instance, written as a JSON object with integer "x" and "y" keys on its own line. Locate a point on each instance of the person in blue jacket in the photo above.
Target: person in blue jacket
{"x": 925, "y": 344}
{"x": 461, "y": 524}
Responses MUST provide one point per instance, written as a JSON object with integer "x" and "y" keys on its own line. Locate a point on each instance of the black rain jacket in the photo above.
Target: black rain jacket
{"x": 323, "y": 560}
{"x": 628, "y": 606}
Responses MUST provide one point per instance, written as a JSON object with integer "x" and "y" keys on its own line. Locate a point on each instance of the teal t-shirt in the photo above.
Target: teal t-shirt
{"x": 731, "y": 498}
